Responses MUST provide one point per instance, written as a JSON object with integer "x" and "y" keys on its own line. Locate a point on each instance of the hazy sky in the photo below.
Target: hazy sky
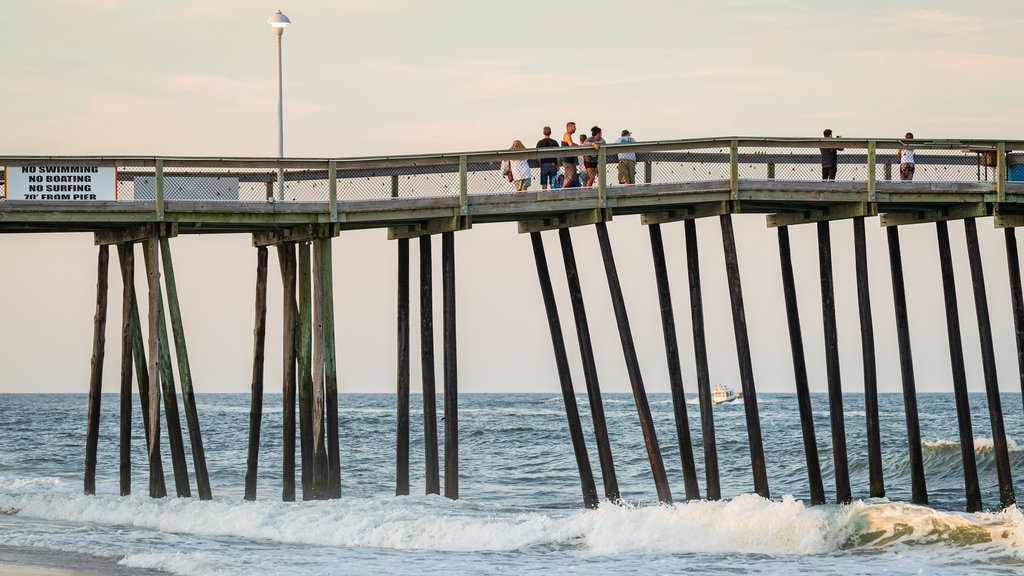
{"x": 190, "y": 77}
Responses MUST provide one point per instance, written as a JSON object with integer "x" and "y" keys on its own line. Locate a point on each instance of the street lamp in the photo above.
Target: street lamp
{"x": 278, "y": 21}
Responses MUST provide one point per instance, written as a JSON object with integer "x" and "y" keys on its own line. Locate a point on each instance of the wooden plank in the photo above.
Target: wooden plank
{"x": 874, "y": 436}
{"x": 433, "y": 481}
{"x": 305, "y": 233}
{"x": 565, "y": 220}
{"x": 837, "y": 415}
{"x": 135, "y": 233}
{"x": 825, "y": 214}
{"x": 428, "y": 227}
{"x": 305, "y": 375}
{"x": 957, "y": 212}
{"x": 99, "y": 339}
{"x": 320, "y": 488}
{"x": 402, "y": 395}
{"x": 286, "y": 255}
{"x": 450, "y": 370}
{"x": 686, "y": 213}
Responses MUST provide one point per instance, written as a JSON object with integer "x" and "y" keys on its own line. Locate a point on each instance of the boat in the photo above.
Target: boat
{"x": 722, "y": 395}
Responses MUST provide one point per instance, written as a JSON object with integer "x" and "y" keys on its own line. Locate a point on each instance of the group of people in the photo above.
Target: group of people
{"x": 830, "y": 160}
{"x": 565, "y": 172}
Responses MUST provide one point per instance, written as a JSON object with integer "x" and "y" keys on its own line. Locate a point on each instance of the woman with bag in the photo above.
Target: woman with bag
{"x": 517, "y": 171}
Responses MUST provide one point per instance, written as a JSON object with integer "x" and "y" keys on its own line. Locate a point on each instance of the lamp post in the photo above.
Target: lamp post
{"x": 278, "y": 21}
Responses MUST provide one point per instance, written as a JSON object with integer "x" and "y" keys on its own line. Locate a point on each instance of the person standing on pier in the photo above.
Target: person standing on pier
{"x": 569, "y": 162}
{"x": 548, "y": 166}
{"x": 518, "y": 171}
{"x": 627, "y": 160}
{"x": 590, "y": 162}
{"x": 829, "y": 159}
{"x": 907, "y": 161}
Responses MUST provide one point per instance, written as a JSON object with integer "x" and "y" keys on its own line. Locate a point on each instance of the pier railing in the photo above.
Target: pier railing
{"x": 772, "y": 169}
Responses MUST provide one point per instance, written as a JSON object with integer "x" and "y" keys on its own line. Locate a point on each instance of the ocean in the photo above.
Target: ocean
{"x": 521, "y": 510}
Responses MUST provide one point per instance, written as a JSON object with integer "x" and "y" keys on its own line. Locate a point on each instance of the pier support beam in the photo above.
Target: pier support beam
{"x": 286, "y": 253}
{"x": 867, "y": 341}
{"x": 157, "y": 487}
{"x": 700, "y": 353}
{"x": 433, "y": 474}
{"x": 604, "y": 447}
{"x": 330, "y": 366}
{"x": 633, "y": 367}
{"x": 1017, "y": 299}
{"x": 988, "y": 361}
{"x": 739, "y": 321}
{"x": 918, "y": 487}
{"x": 956, "y": 357}
{"x": 259, "y": 336}
{"x": 668, "y": 325}
{"x": 402, "y": 416}
{"x": 305, "y": 374}
{"x": 451, "y": 372}
{"x": 835, "y": 388}
{"x": 803, "y": 394}
{"x": 174, "y": 437}
{"x": 129, "y": 312}
{"x": 185, "y": 375}
{"x": 96, "y": 369}
{"x": 590, "y": 499}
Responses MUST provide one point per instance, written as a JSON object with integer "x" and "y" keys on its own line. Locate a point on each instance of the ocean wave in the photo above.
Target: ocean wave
{"x": 747, "y": 524}
{"x": 981, "y": 444}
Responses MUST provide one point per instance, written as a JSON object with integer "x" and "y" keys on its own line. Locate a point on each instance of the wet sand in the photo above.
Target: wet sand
{"x": 25, "y": 561}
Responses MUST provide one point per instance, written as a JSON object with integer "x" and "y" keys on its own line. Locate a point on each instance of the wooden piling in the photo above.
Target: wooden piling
{"x": 174, "y": 437}
{"x": 305, "y": 375}
{"x": 1016, "y": 298}
{"x": 739, "y": 322}
{"x": 402, "y": 416}
{"x": 318, "y": 404}
{"x": 433, "y": 474}
{"x": 579, "y": 447}
{"x": 988, "y": 361}
{"x": 604, "y": 448}
{"x": 259, "y": 333}
{"x": 185, "y": 375}
{"x": 92, "y": 433}
{"x": 700, "y": 354}
{"x": 956, "y": 356}
{"x": 451, "y": 373}
{"x": 633, "y": 367}
{"x": 129, "y": 311}
{"x": 675, "y": 374}
{"x": 157, "y": 487}
{"x": 876, "y": 480}
{"x": 330, "y": 370}
{"x": 918, "y": 486}
{"x": 835, "y": 388}
{"x": 286, "y": 252}
{"x": 803, "y": 394}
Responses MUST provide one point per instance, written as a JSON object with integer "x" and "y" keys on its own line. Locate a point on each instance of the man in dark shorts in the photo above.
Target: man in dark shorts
{"x": 569, "y": 162}
{"x": 829, "y": 159}
{"x": 548, "y": 166}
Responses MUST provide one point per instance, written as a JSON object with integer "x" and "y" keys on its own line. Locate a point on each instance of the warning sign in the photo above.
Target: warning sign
{"x": 60, "y": 183}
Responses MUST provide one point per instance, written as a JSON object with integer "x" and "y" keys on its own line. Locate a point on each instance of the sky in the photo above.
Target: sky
{"x": 197, "y": 78}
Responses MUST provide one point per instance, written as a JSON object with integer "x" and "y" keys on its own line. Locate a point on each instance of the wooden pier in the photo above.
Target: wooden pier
{"x": 299, "y": 205}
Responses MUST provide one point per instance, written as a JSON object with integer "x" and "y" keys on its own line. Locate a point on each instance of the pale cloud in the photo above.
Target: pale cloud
{"x": 935, "y": 21}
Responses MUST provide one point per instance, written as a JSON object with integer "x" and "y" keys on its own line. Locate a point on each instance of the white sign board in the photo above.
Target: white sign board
{"x": 60, "y": 183}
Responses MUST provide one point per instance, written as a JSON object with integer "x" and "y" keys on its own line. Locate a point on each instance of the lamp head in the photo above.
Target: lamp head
{"x": 278, "y": 20}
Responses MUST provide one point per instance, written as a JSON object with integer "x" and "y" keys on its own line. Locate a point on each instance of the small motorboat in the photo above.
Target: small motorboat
{"x": 721, "y": 395}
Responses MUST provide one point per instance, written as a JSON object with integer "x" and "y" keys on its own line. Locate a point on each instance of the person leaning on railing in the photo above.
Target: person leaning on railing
{"x": 590, "y": 162}
{"x": 627, "y": 160}
{"x": 829, "y": 159}
{"x": 907, "y": 160}
{"x": 518, "y": 171}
